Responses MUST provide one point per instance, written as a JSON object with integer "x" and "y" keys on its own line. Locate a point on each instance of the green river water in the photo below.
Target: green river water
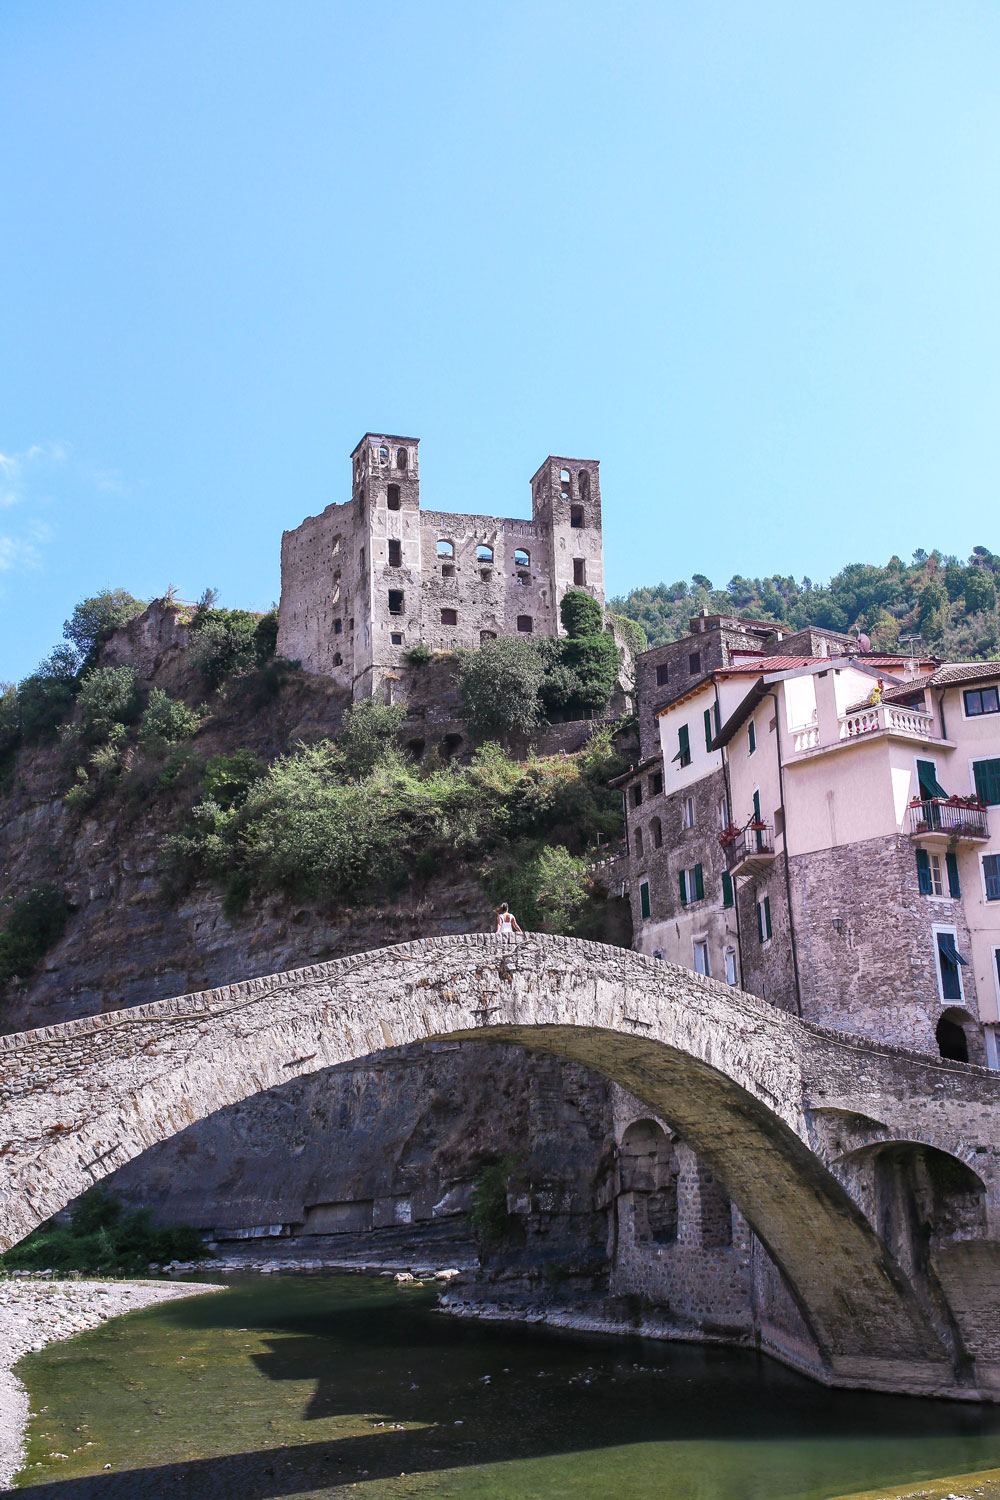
{"x": 316, "y": 1386}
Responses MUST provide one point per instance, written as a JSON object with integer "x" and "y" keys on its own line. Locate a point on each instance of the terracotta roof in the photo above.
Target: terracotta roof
{"x": 635, "y": 770}
{"x": 965, "y": 671}
{"x": 769, "y": 664}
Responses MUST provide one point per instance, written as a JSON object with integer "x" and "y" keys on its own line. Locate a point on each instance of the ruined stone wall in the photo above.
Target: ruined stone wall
{"x": 488, "y": 597}
{"x": 876, "y": 976}
{"x": 768, "y": 968}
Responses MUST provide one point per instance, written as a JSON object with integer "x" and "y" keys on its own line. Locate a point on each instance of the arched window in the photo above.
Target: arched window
{"x": 392, "y": 497}
{"x": 522, "y": 559}
{"x": 484, "y": 554}
{"x": 656, "y": 830}
{"x": 487, "y": 635}
{"x": 383, "y": 454}
{"x": 401, "y": 458}
{"x": 583, "y": 484}
{"x": 446, "y": 549}
{"x": 637, "y": 842}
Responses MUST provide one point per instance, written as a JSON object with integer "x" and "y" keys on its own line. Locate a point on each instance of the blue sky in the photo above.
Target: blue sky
{"x": 744, "y": 253}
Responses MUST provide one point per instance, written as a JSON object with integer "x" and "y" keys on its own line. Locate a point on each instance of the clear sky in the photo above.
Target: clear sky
{"x": 744, "y": 252}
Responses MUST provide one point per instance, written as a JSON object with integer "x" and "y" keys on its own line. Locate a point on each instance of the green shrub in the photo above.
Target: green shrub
{"x": 632, "y": 631}
{"x": 45, "y": 699}
{"x": 102, "y": 1238}
{"x": 418, "y": 655}
{"x": 266, "y": 637}
{"x": 94, "y": 619}
{"x": 488, "y": 1210}
{"x": 228, "y": 778}
{"x": 580, "y": 614}
{"x": 223, "y": 643}
{"x": 166, "y": 721}
{"x": 30, "y": 928}
{"x": 499, "y": 684}
{"x": 369, "y": 734}
{"x": 108, "y": 699}
{"x": 544, "y": 885}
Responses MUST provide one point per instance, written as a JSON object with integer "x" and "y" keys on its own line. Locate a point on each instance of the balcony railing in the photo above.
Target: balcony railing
{"x": 952, "y": 820}
{"x": 751, "y": 850}
{"x": 882, "y": 717}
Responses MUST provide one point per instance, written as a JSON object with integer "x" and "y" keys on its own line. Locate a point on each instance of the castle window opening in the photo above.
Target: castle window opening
{"x": 395, "y": 601}
{"x": 361, "y": 560}
{"x": 335, "y": 546}
{"x": 416, "y": 748}
{"x": 524, "y": 579}
{"x": 576, "y": 517}
{"x": 662, "y": 674}
{"x": 401, "y": 458}
{"x": 449, "y": 617}
{"x": 448, "y": 570}
{"x": 335, "y": 595}
{"x": 694, "y": 662}
{"x": 338, "y": 660}
{"x": 350, "y": 623}
{"x": 383, "y": 454}
{"x": 338, "y": 626}
{"x": 395, "y": 552}
{"x": 656, "y": 783}
{"x": 579, "y": 570}
{"x": 656, "y": 833}
{"x": 951, "y": 1039}
{"x": 487, "y": 635}
{"x": 392, "y": 497}
{"x": 687, "y": 813}
{"x": 486, "y": 574}
{"x": 522, "y": 559}
{"x": 484, "y": 554}
{"x": 637, "y": 794}
{"x": 525, "y": 624}
{"x": 637, "y": 841}
{"x": 583, "y": 484}
{"x": 445, "y": 549}
{"x": 395, "y": 638}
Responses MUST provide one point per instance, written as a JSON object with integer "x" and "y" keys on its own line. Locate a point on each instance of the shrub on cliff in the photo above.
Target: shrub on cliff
{"x": 108, "y": 698}
{"x": 30, "y": 927}
{"x": 499, "y": 684}
{"x": 94, "y": 619}
{"x": 102, "y": 1238}
{"x": 224, "y": 642}
{"x": 166, "y": 721}
{"x": 370, "y": 732}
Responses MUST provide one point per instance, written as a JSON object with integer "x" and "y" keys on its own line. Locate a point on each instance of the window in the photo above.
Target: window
{"x": 723, "y": 813}
{"x": 395, "y": 638}
{"x": 662, "y": 675}
{"x": 727, "y": 889}
{"x": 644, "y": 898}
{"x": 524, "y": 624}
{"x": 687, "y": 813}
{"x": 927, "y": 780}
{"x": 751, "y": 738}
{"x": 395, "y": 601}
{"x": 487, "y": 635}
{"x": 764, "y": 919}
{"x": 401, "y": 458}
{"x": 637, "y": 843}
{"x": 524, "y": 579}
{"x": 692, "y": 885}
{"x": 951, "y": 1039}
{"x": 395, "y": 553}
{"x": 447, "y": 570}
{"x": 683, "y": 756}
{"x": 576, "y": 517}
{"x": 637, "y": 794}
{"x": 383, "y": 455}
{"x": 694, "y": 661}
{"x": 701, "y": 957}
{"x": 759, "y": 839}
{"x": 484, "y": 554}
{"x": 335, "y": 545}
{"x": 361, "y": 560}
{"x": 392, "y": 497}
{"x": 954, "y": 884}
{"x": 656, "y": 833}
{"x": 950, "y": 964}
{"x": 709, "y": 730}
{"x": 929, "y": 873}
{"x": 981, "y": 701}
{"x": 449, "y": 617}
{"x": 338, "y": 660}
{"x": 338, "y": 626}
{"x": 656, "y": 784}
{"x": 583, "y": 484}
{"x": 522, "y": 559}
{"x": 485, "y": 574}
{"x": 991, "y": 876}
{"x": 579, "y": 571}
{"x": 731, "y": 974}
{"x": 445, "y": 549}
{"x": 986, "y": 774}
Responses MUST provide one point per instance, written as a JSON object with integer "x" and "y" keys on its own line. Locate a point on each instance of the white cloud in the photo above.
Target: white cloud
{"x": 23, "y": 476}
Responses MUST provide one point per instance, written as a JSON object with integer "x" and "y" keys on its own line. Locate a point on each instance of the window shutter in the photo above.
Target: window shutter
{"x": 760, "y": 922}
{"x": 684, "y": 890}
{"x": 767, "y": 916}
{"x": 727, "y": 888}
{"x": 991, "y": 870}
{"x": 987, "y": 773}
{"x": 708, "y": 729}
{"x": 954, "y": 885}
{"x": 756, "y": 806}
{"x": 699, "y": 884}
{"x": 718, "y": 722}
{"x": 924, "y": 872}
{"x": 752, "y": 737}
{"x": 644, "y": 899}
{"x": 683, "y": 743}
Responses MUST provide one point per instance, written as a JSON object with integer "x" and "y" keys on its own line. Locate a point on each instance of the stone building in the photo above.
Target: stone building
{"x": 366, "y": 580}
{"x": 819, "y": 831}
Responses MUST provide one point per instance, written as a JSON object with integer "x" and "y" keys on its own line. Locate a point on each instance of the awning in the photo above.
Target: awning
{"x": 930, "y": 786}
{"x": 947, "y": 945}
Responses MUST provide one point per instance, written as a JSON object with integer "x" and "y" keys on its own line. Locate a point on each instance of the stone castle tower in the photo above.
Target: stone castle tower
{"x": 364, "y": 581}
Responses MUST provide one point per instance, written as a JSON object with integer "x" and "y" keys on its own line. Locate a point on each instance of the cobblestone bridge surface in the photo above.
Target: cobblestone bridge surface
{"x": 781, "y": 1112}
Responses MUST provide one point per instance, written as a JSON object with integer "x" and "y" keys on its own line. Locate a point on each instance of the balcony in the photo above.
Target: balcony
{"x": 886, "y": 718}
{"x": 940, "y": 820}
{"x": 751, "y": 850}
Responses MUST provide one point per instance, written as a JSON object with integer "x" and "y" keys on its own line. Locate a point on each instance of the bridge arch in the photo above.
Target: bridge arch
{"x": 731, "y": 1074}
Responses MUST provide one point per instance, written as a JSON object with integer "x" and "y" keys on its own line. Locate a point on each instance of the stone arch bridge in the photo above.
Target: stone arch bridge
{"x": 814, "y": 1135}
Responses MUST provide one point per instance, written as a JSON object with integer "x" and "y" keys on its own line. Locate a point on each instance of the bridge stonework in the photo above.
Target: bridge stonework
{"x": 798, "y": 1125}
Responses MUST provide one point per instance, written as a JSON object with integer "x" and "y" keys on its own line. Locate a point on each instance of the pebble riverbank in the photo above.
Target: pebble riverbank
{"x": 34, "y": 1313}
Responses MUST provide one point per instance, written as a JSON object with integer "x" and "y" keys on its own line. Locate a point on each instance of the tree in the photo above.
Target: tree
{"x": 108, "y": 697}
{"x": 580, "y": 614}
{"x": 166, "y": 721}
{"x": 32, "y": 926}
{"x": 980, "y": 590}
{"x": 224, "y": 644}
{"x": 931, "y": 611}
{"x": 46, "y": 697}
{"x": 499, "y": 684}
{"x": 94, "y": 619}
{"x": 370, "y": 734}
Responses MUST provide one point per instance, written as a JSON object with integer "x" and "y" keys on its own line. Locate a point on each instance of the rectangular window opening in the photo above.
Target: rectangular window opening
{"x": 395, "y": 601}
{"x": 449, "y": 617}
{"x": 662, "y": 674}
{"x": 395, "y": 553}
{"x": 579, "y": 571}
{"x": 525, "y": 624}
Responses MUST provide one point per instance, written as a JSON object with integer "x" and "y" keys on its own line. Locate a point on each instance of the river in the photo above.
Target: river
{"x": 304, "y": 1387}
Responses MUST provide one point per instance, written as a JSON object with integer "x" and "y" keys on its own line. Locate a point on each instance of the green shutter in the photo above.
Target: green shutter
{"x": 684, "y": 889}
{"x": 987, "y": 774}
{"x": 699, "y": 884}
{"x": 727, "y": 888}
{"x": 924, "y": 872}
{"x": 683, "y": 745}
{"x": 767, "y": 916}
{"x": 752, "y": 737}
{"x": 644, "y": 898}
{"x": 928, "y": 782}
{"x": 718, "y": 721}
{"x": 760, "y": 923}
{"x": 708, "y": 729}
{"x": 954, "y": 884}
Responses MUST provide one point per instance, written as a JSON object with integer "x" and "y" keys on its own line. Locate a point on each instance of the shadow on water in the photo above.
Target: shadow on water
{"x": 209, "y": 1398}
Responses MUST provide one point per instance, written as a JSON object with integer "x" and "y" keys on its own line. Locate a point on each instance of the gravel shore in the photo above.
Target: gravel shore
{"x": 36, "y": 1313}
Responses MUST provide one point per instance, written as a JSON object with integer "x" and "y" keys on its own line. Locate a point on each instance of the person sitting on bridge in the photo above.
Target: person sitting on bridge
{"x": 506, "y": 920}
